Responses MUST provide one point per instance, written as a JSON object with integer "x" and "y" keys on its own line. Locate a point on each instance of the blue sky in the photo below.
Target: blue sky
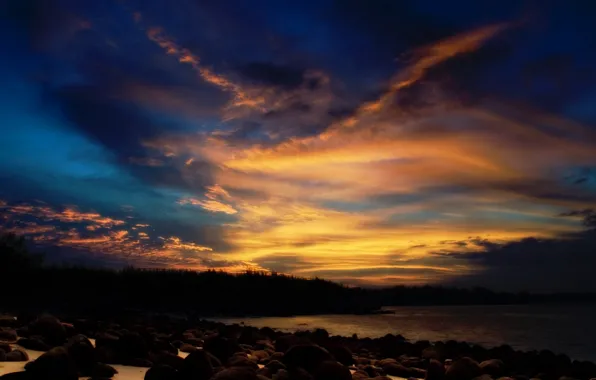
{"x": 374, "y": 142}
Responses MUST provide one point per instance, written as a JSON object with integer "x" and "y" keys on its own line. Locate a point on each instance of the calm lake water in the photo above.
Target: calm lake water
{"x": 569, "y": 329}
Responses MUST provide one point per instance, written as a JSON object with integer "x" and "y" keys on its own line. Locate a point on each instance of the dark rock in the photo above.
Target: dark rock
{"x": 8, "y": 335}
{"x": 138, "y": 362}
{"x": 371, "y": 371}
{"x": 308, "y": 357}
{"x": 240, "y": 361}
{"x": 8, "y": 321}
{"x": 276, "y": 356}
{"x": 5, "y": 347}
{"x": 17, "y": 376}
{"x": 236, "y": 373}
{"x": 298, "y": 374}
{"x": 360, "y": 375}
{"x": 161, "y": 372}
{"x": 178, "y": 343}
{"x": 264, "y": 345}
{"x": 266, "y": 372}
{"x": 54, "y": 364}
{"x": 197, "y": 365}
{"x": 185, "y": 347}
{"x": 274, "y": 366}
{"x": 222, "y": 348}
{"x": 50, "y": 328}
{"x": 463, "y": 369}
{"x": 83, "y": 353}
{"x": 268, "y": 332}
{"x": 432, "y": 353}
{"x": 493, "y": 367}
{"x": 168, "y": 359}
{"x": 132, "y": 345}
{"x": 2, "y": 355}
{"x": 260, "y": 355}
{"x": 103, "y": 370}
{"x": 435, "y": 370}
{"x": 33, "y": 343}
{"x": 161, "y": 345}
{"x": 283, "y": 343}
{"x": 483, "y": 377}
{"x": 17, "y": 355}
{"x": 332, "y": 370}
{"x": 395, "y": 369}
{"x": 320, "y": 335}
{"x": 341, "y": 353}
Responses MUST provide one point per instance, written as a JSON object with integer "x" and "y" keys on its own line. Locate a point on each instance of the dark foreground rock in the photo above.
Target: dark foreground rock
{"x": 220, "y": 352}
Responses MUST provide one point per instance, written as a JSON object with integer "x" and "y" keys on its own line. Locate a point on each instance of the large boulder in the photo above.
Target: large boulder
{"x": 285, "y": 342}
{"x": 17, "y": 355}
{"x": 242, "y": 361}
{"x": 83, "y": 353}
{"x": 396, "y": 369}
{"x": 220, "y": 347}
{"x": 236, "y": 373}
{"x": 2, "y": 355}
{"x": 50, "y": 328}
{"x": 103, "y": 371}
{"x": 197, "y": 365}
{"x": 161, "y": 372}
{"x": 463, "y": 369}
{"x": 274, "y": 366}
{"x": 33, "y": 343}
{"x": 132, "y": 346}
{"x": 435, "y": 370}
{"x": 54, "y": 364}
{"x": 8, "y": 335}
{"x": 341, "y": 353}
{"x": 308, "y": 357}
{"x": 332, "y": 370}
{"x": 493, "y": 367}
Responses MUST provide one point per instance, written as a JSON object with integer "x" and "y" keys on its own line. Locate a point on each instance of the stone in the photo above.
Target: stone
{"x": 83, "y": 353}
{"x": 395, "y": 369}
{"x": 360, "y": 375}
{"x": 161, "y": 372}
{"x": 54, "y": 364}
{"x": 138, "y": 362}
{"x": 285, "y": 342}
{"x": 2, "y": 355}
{"x": 260, "y": 354}
{"x": 274, "y": 366}
{"x": 33, "y": 343}
{"x": 240, "y": 361}
{"x": 222, "y": 348}
{"x": 132, "y": 346}
{"x": 17, "y": 355}
{"x": 50, "y": 328}
{"x": 5, "y": 347}
{"x": 103, "y": 370}
{"x": 168, "y": 359}
{"x": 483, "y": 377}
{"x": 463, "y": 369}
{"x": 8, "y": 321}
{"x": 493, "y": 367}
{"x": 332, "y": 370}
{"x": 16, "y": 376}
{"x": 341, "y": 353}
{"x": 185, "y": 347}
{"x": 236, "y": 373}
{"x": 9, "y": 335}
{"x": 308, "y": 357}
{"x": 299, "y": 374}
{"x": 197, "y": 365}
{"x": 435, "y": 370}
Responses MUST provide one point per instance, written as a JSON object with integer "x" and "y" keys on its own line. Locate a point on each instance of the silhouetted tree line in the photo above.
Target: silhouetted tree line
{"x": 29, "y": 285}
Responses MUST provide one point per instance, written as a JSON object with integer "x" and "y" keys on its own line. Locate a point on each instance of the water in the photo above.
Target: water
{"x": 568, "y": 329}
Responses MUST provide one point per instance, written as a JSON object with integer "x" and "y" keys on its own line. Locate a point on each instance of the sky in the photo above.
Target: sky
{"x": 374, "y": 143}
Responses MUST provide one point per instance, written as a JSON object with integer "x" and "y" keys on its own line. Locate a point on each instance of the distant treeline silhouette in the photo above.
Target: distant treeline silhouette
{"x": 30, "y": 285}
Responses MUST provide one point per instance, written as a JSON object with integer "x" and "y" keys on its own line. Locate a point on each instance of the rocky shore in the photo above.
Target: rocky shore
{"x": 89, "y": 348}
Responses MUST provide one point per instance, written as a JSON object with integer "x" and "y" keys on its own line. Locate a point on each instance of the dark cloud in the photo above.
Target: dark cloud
{"x": 272, "y": 74}
{"x": 565, "y": 263}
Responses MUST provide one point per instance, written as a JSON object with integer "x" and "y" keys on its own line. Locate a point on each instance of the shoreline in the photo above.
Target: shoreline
{"x": 242, "y": 346}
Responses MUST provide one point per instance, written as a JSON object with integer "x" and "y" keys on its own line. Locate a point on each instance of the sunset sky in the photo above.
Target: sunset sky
{"x": 369, "y": 142}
